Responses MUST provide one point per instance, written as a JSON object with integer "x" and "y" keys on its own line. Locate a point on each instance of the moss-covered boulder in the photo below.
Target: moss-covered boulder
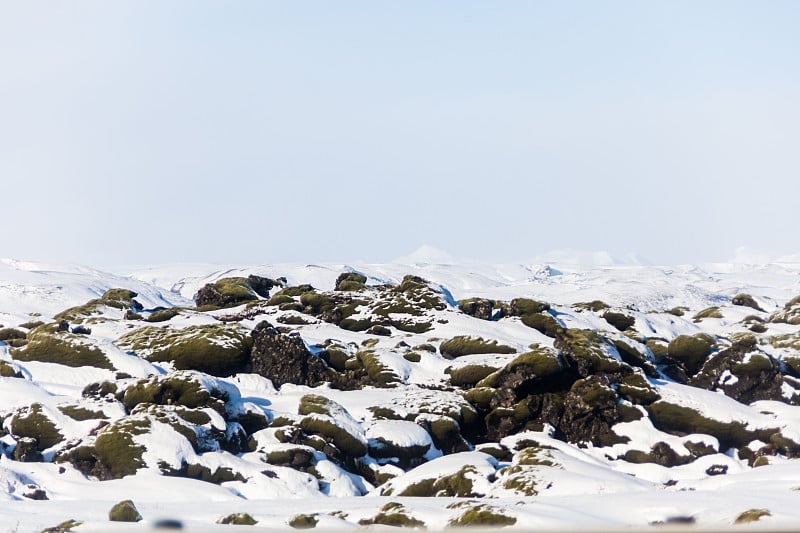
{"x": 790, "y": 314}
{"x": 588, "y": 352}
{"x": 331, "y": 421}
{"x": 230, "y": 292}
{"x": 393, "y": 514}
{"x": 186, "y": 388}
{"x": 49, "y": 345}
{"x": 114, "y": 453}
{"x": 303, "y": 521}
{"x": 401, "y": 442}
{"x": 467, "y": 345}
{"x": 690, "y": 351}
{"x": 238, "y": 519}
{"x": 120, "y": 299}
{"x": 746, "y": 300}
{"x": 544, "y": 323}
{"x": 36, "y": 423}
{"x": 7, "y": 334}
{"x": 469, "y": 375}
{"x": 124, "y": 511}
{"x": 620, "y": 321}
{"x": 709, "y": 312}
{"x": 481, "y": 308}
{"x": 350, "y": 281}
{"x": 526, "y": 306}
{"x": 481, "y": 516}
{"x": 216, "y": 349}
{"x": 8, "y": 370}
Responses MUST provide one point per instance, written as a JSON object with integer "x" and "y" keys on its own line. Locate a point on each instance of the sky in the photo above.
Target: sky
{"x": 163, "y": 131}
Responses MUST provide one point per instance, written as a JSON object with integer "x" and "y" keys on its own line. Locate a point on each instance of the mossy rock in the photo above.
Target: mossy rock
{"x": 303, "y": 521}
{"x": 61, "y": 347}
{"x": 587, "y": 351}
{"x": 751, "y": 515}
{"x": 350, "y": 281}
{"x": 81, "y": 413}
{"x": 9, "y": 371}
{"x": 381, "y": 375}
{"x": 544, "y": 323}
{"x": 690, "y": 350}
{"x": 280, "y": 299}
{"x": 163, "y": 315}
{"x": 469, "y": 375}
{"x": 526, "y": 306}
{"x": 7, "y": 334}
{"x": 467, "y": 345}
{"x": 293, "y": 320}
{"x": 709, "y": 312}
{"x": 114, "y": 298}
{"x": 595, "y": 306}
{"x": 480, "y": 397}
{"x": 219, "y": 350}
{"x": 238, "y": 519}
{"x": 124, "y": 511}
{"x": 540, "y": 362}
{"x": 32, "y": 324}
{"x": 746, "y": 300}
{"x": 458, "y": 484}
{"x": 412, "y": 357}
{"x": 678, "y": 311}
{"x": 181, "y": 388}
{"x": 636, "y": 389}
{"x": 481, "y": 308}
{"x": 99, "y": 390}
{"x": 620, "y": 321}
{"x": 330, "y": 430}
{"x": 223, "y": 293}
{"x": 316, "y": 303}
{"x": 393, "y": 514}
{"x": 659, "y": 348}
{"x": 790, "y": 314}
{"x": 379, "y": 330}
{"x": 482, "y": 516}
{"x": 681, "y": 420}
{"x": 34, "y": 423}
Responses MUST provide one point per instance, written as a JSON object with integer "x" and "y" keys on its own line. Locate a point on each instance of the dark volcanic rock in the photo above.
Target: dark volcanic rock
{"x": 27, "y": 451}
{"x": 478, "y": 307}
{"x": 742, "y": 372}
{"x": 285, "y": 358}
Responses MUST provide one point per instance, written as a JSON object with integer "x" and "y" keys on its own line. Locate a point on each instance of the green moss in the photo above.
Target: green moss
{"x": 7, "y": 334}
{"x": 636, "y": 389}
{"x": 115, "y": 298}
{"x": 709, "y": 312}
{"x": 469, "y": 375}
{"x": 62, "y": 348}
{"x": 343, "y": 440}
{"x": 690, "y": 350}
{"x": 32, "y": 324}
{"x": 482, "y": 516}
{"x": 466, "y": 345}
{"x": 223, "y": 293}
{"x": 755, "y": 365}
{"x": 238, "y": 519}
{"x": 316, "y": 303}
{"x": 379, "y": 373}
{"x": 303, "y": 521}
{"x": 751, "y": 515}
{"x": 280, "y": 299}
{"x": 678, "y": 311}
{"x": 619, "y": 320}
{"x": 8, "y": 371}
{"x": 594, "y": 305}
{"x": 382, "y": 331}
{"x": 214, "y": 349}
{"x": 790, "y": 314}
{"x": 293, "y": 320}
{"x": 520, "y": 479}
{"x": 540, "y": 361}
{"x": 116, "y": 450}
{"x": 175, "y": 389}
{"x": 33, "y": 423}
{"x": 590, "y": 347}
{"x": 658, "y": 348}
{"x": 480, "y": 397}
{"x": 124, "y": 511}
{"x": 81, "y": 413}
{"x": 543, "y": 323}
{"x": 412, "y": 357}
{"x": 395, "y": 517}
{"x": 162, "y": 315}
{"x": 314, "y": 403}
{"x": 526, "y": 306}
{"x": 681, "y": 420}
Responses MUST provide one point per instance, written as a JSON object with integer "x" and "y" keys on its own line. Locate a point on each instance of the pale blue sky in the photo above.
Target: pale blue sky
{"x": 169, "y": 131}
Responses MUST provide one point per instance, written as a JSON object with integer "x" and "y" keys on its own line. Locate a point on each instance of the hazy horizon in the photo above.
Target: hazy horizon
{"x": 150, "y": 132}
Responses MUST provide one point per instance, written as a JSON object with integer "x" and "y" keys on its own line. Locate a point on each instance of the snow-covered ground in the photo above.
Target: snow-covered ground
{"x": 578, "y": 486}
